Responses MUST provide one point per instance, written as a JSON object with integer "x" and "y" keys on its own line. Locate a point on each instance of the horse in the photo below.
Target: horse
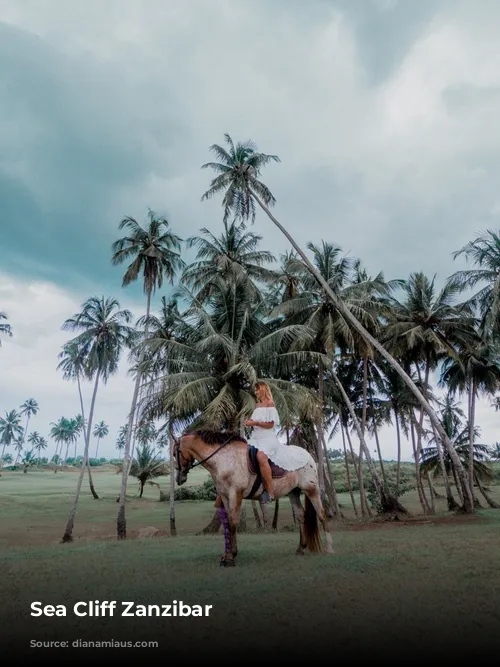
{"x": 232, "y": 464}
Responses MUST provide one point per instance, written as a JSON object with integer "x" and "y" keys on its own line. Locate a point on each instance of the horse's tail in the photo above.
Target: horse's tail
{"x": 311, "y": 528}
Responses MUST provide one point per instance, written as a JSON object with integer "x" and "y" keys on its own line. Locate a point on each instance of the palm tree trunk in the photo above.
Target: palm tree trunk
{"x": 68, "y": 533}
{"x": 121, "y": 522}
{"x": 330, "y": 482}
{"x": 347, "y": 472}
{"x": 487, "y": 497}
{"x": 398, "y": 437}
{"x": 321, "y": 449}
{"x": 173, "y": 530}
{"x": 431, "y": 491}
{"x": 91, "y": 482}
{"x": 418, "y": 477}
{"x": 452, "y": 503}
{"x": 379, "y": 453}
{"x": 346, "y": 313}
{"x": 387, "y": 502}
{"x": 472, "y": 415}
{"x": 365, "y": 508}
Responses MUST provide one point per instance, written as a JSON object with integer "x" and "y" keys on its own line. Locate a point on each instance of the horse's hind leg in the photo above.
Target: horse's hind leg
{"x": 298, "y": 512}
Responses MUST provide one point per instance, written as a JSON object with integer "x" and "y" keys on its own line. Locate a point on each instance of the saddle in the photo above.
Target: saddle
{"x": 254, "y": 469}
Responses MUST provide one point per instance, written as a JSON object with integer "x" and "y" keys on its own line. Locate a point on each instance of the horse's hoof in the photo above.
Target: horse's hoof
{"x": 229, "y": 562}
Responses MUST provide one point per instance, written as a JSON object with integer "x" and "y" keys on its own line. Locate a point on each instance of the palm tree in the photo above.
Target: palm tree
{"x": 422, "y": 330}
{"x": 72, "y": 365}
{"x": 238, "y": 171}
{"x": 475, "y": 370}
{"x": 154, "y": 251}
{"x": 484, "y": 251}
{"x": 105, "y": 332}
{"x": 10, "y": 430}
{"x": 234, "y": 254}
{"x": 146, "y": 466}
{"x": 37, "y": 443}
{"x": 458, "y": 430}
{"x": 101, "y": 430}
{"x": 30, "y": 409}
{"x": 5, "y": 328}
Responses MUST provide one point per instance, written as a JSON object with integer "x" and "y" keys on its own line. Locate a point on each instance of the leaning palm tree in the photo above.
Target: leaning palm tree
{"x": 5, "y": 329}
{"x": 238, "y": 171}
{"x": 105, "y": 332}
{"x": 72, "y": 366}
{"x": 29, "y": 408}
{"x": 154, "y": 254}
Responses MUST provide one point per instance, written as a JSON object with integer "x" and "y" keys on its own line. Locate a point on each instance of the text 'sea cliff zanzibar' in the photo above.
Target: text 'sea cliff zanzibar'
{"x": 107, "y": 608}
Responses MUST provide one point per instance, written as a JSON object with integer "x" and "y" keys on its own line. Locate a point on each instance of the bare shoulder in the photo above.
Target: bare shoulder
{"x": 268, "y": 404}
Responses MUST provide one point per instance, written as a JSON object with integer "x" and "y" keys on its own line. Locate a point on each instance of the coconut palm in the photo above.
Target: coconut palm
{"x": 238, "y": 171}
{"x": 105, "y": 333}
{"x": 453, "y": 420}
{"x": 153, "y": 252}
{"x": 10, "y": 430}
{"x": 5, "y": 327}
{"x": 29, "y": 408}
{"x": 235, "y": 253}
{"x": 101, "y": 430}
{"x": 423, "y": 329}
{"x": 484, "y": 252}
{"x": 72, "y": 365}
{"x": 475, "y": 370}
{"x": 219, "y": 353}
{"x": 146, "y": 466}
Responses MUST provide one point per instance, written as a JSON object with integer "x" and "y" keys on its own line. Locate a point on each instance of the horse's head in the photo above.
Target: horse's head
{"x": 183, "y": 461}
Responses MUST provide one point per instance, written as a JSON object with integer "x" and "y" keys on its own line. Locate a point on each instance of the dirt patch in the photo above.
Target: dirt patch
{"x": 397, "y": 522}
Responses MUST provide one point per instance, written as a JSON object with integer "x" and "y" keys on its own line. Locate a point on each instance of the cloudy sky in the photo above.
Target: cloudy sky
{"x": 384, "y": 114}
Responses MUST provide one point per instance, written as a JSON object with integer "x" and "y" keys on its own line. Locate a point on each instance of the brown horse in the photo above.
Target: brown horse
{"x": 233, "y": 467}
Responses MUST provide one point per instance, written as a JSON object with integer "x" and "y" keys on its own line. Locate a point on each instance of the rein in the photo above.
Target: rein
{"x": 177, "y": 448}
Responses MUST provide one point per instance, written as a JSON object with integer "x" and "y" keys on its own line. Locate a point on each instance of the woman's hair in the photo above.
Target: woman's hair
{"x": 266, "y": 390}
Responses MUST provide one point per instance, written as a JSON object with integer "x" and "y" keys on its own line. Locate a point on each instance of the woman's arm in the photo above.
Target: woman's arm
{"x": 251, "y": 422}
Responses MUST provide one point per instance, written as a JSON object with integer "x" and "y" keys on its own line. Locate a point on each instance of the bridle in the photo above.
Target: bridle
{"x": 189, "y": 464}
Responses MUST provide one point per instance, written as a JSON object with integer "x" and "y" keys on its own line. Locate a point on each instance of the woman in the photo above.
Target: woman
{"x": 263, "y": 420}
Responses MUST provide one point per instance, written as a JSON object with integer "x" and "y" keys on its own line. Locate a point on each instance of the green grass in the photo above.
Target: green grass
{"x": 393, "y": 588}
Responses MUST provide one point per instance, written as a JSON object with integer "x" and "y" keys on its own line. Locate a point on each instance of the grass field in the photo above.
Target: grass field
{"x": 394, "y": 590}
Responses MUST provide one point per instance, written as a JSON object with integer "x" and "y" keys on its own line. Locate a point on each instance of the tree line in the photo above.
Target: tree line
{"x": 344, "y": 352}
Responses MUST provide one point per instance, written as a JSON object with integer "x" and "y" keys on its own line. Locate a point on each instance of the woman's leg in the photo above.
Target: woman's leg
{"x": 265, "y": 470}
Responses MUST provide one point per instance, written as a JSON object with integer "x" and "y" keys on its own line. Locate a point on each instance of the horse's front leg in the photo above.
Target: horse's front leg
{"x": 234, "y": 510}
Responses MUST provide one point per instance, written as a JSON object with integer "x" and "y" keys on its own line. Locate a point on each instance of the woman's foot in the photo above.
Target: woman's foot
{"x": 266, "y": 497}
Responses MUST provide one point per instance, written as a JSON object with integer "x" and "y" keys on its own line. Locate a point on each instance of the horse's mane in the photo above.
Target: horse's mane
{"x": 217, "y": 437}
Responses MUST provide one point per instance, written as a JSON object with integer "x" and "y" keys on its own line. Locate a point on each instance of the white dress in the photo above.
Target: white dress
{"x": 287, "y": 457}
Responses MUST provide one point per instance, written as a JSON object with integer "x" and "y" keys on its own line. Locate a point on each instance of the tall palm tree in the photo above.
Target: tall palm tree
{"x": 101, "y": 430}
{"x": 5, "y": 328}
{"x": 72, "y": 366}
{"x": 105, "y": 332}
{"x": 238, "y": 171}
{"x": 154, "y": 254}
{"x": 29, "y": 408}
